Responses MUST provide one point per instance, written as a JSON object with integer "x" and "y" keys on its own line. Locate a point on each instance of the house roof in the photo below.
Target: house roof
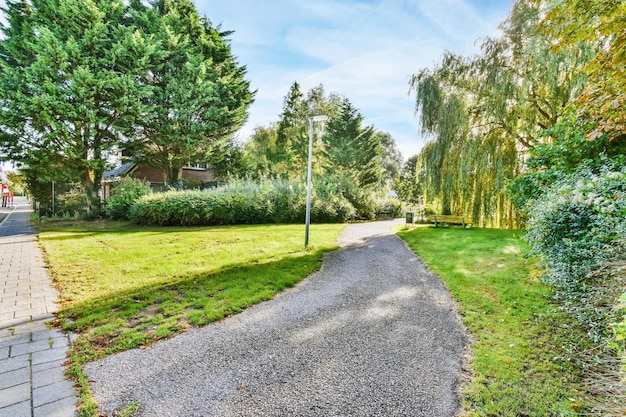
{"x": 118, "y": 171}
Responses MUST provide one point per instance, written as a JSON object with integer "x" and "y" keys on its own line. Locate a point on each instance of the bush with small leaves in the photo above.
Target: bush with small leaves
{"x": 124, "y": 194}
{"x": 577, "y": 228}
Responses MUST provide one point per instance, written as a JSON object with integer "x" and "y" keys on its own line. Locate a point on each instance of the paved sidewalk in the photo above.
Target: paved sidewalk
{"x": 31, "y": 355}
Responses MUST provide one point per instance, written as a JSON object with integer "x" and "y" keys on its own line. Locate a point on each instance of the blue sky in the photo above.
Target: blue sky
{"x": 364, "y": 49}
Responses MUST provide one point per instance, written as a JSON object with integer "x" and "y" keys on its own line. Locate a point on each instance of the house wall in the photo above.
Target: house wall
{"x": 157, "y": 176}
{"x": 198, "y": 175}
{"x": 153, "y": 175}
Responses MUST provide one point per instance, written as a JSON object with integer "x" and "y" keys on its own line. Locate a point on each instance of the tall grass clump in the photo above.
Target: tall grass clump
{"x": 242, "y": 202}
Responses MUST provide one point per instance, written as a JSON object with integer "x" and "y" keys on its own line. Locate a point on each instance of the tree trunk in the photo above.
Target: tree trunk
{"x": 175, "y": 177}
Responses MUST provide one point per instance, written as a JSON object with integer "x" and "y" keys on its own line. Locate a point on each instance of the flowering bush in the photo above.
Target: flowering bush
{"x": 577, "y": 227}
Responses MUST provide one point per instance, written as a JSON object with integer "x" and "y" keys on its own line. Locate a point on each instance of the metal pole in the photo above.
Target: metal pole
{"x": 308, "y": 185}
{"x": 52, "y": 198}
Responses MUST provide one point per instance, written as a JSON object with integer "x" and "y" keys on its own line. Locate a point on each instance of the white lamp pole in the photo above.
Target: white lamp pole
{"x": 318, "y": 118}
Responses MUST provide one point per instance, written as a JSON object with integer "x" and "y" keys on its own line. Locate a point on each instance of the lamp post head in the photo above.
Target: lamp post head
{"x": 319, "y": 118}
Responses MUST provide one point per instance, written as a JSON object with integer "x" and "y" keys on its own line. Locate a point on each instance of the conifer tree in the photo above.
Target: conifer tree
{"x": 199, "y": 93}
{"x": 68, "y": 90}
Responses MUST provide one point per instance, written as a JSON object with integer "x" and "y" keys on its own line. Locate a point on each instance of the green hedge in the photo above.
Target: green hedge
{"x": 242, "y": 202}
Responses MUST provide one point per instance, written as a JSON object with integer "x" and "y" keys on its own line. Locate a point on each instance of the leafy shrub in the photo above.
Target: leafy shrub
{"x": 242, "y": 202}
{"x": 388, "y": 207}
{"x": 73, "y": 201}
{"x": 577, "y": 228}
{"x": 362, "y": 199}
{"x": 125, "y": 193}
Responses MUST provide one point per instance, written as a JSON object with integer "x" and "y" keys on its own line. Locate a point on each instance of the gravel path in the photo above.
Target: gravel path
{"x": 371, "y": 334}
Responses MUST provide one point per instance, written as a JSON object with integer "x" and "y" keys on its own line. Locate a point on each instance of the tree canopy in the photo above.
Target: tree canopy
{"x": 485, "y": 112}
{"x": 81, "y": 79}
{"x": 68, "y": 90}
{"x": 199, "y": 94}
{"x": 347, "y": 148}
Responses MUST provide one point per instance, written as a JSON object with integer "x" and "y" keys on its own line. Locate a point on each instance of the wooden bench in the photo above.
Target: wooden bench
{"x": 449, "y": 219}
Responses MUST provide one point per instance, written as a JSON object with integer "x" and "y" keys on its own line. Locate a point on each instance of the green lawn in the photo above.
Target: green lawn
{"x": 124, "y": 286}
{"x": 519, "y": 352}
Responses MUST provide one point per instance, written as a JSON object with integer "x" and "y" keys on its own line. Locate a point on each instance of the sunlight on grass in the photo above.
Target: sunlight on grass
{"x": 124, "y": 286}
{"x": 519, "y": 361}
{"x": 119, "y": 275}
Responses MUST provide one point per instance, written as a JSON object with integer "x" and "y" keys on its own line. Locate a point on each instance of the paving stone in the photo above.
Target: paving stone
{"x": 9, "y": 299}
{"x": 13, "y": 322}
{"x": 48, "y": 376}
{"x": 39, "y": 326}
{"x": 23, "y": 314}
{"x": 12, "y": 364}
{"x": 15, "y": 339}
{"x": 17, "y": 410}
{"x": 56, "y": 336}
{"x": 31, "y": 354}
{"x": 13, "y": 378}
{"x": 48, "y": 365}
{"x": 6, "y": 317}
{"x": 60, "y": 342}
{"x": 43, "y": 315}
{"x": 15, "y": 395}
{"x": 51, "y": 393}
{"x": 32, "y": 347}
{"x": 50, "y": 355}
{"x": 62, "y": 408}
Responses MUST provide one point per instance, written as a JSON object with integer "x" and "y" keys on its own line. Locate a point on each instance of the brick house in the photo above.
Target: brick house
{"x": 194, "y": 175}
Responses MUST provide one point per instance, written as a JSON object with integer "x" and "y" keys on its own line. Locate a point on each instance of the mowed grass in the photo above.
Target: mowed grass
{"x": 124, "y": 286}
{"x": 519, "y": 360}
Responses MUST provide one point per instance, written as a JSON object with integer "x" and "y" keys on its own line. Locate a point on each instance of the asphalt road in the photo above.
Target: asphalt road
{"x": 373, "y": 333}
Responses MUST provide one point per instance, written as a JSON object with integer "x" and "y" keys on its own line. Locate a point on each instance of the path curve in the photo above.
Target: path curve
{"x": 373, "y": 333}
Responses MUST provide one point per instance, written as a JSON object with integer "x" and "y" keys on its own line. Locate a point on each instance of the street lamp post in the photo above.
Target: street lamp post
{"x": 318, "y": 118}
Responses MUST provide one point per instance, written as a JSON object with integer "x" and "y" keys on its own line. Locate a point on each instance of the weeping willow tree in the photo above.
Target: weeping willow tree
{"x": 485, "y": 112}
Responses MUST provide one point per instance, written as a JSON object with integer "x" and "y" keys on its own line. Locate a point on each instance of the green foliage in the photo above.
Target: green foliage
{"x": 199, "y": 96}
{"x": 484, "y": 112}
{"x": 125, "y": 193}
{"x": 73, "y": 203}
{"x": 18, "y": 182}
{"x": 347, "y": 148}
{"x": 406, "y": 184}
{"x": 352, "y": 150}
{"x": 576, "y": 227}
{"x": 388, "y": 207}
{"x": 243, "y": 202}
{"x": 619, "y": 330}
{"x": 549, "y": 161}
{"x": 601, "y": 25}
{"x": 68, "y": 86}
{"x": 81, "y": 79}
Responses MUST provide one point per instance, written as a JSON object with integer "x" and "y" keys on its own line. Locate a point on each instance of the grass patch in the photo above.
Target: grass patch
{"x": 520, "y": 356}
{"x": 124, "y": 286}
